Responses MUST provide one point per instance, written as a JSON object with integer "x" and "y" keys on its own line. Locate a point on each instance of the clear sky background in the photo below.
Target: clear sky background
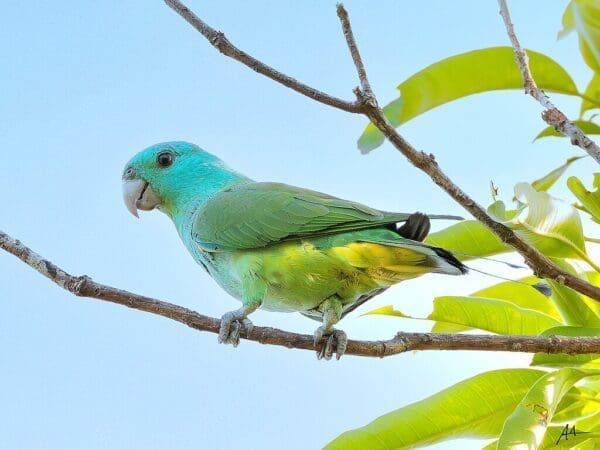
{"x": 86, "y": 84}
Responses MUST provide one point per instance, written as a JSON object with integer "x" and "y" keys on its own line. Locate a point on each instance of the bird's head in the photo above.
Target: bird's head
{"x": 167, "y": 175}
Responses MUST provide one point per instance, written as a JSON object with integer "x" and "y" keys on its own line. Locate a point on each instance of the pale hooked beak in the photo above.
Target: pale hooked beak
{"x": 137, "y": 194}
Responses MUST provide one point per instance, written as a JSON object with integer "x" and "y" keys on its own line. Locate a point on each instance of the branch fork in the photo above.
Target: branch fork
{"x": 552, "y": 115}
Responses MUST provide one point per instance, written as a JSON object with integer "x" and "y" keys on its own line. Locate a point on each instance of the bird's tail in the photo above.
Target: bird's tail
{"x": 450, "y": 259}
{"x": 389, "y": 261}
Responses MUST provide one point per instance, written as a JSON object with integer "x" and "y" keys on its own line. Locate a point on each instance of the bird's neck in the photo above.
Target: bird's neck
{"x": 193, "y": 192}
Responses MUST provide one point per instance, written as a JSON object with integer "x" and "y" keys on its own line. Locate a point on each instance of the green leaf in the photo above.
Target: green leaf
{"x": 590, "y": 444}
{"x": 372, "y": 137}
{"x": 498, "y": 211}
{"x": 547, "y": 181}
{"x": 521, "y": 295}
{"x": 458, "y": 76}
{"x": 518, "y": 294}
{"x": 552, "y": 225}
{"x": 586, "y": 19}
{"x": 586, "y": 126}
{"x": 574, "y": 308}
{"x": 476, "y": 407}
{"x": 568, "y": 22}
{"x": 590, "y": 423}
{"x": 527, "y": 425}
{"x": 559, "y": 438}
{"x": 589, "y": 199}
{"x": 580, "y": 402}
{"x": 458, "y": 314}
{"x": 591, "y": 98}
{"x": 438, "y": 327}
{"x": 445, "y": 327}
{"x": 593, "y": 278}
{"x": 587, "y": 361}
{"x": 564, "y": 438}
{"x": 387, "y": 310}
{"x": 488, "y": 314}
{"x": 468, "y": 239}
{"x": 549, "y": 224}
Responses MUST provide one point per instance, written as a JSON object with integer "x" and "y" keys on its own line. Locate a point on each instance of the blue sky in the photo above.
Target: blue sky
{"x": 88, "y": 84}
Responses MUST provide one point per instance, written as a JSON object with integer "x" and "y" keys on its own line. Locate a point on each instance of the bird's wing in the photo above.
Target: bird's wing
{"x": 255, "y": 215}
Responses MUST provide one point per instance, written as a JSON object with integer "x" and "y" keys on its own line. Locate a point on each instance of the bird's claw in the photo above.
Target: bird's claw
{"x": 232, "y": 325}
{"x": 336, "y": 342}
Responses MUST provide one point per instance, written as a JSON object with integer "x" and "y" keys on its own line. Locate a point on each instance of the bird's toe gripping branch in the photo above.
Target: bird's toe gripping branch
{"x": 232, "y": 324}
{"x": 336, "y": 340}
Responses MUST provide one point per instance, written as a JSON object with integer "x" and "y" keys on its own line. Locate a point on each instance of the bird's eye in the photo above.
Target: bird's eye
{"x": 129, "y": 174}
{"x": 164, "y": 159}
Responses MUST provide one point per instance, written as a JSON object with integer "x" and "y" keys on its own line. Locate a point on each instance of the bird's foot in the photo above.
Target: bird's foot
{"x": 335, "y": 342}
{"x": 232, "y": 324}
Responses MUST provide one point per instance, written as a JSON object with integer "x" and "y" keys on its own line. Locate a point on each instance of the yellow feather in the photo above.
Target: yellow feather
{"x": 384, "y": 264}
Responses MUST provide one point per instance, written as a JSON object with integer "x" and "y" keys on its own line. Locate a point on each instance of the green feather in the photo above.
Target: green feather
{"x": 254, "y": 215}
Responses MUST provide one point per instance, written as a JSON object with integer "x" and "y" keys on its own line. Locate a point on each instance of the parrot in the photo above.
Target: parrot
{"x": 279, "y": 247}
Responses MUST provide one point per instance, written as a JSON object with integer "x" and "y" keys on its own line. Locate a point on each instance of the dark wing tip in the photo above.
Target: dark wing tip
{"x": 416, "y": 227}
{"x": 451, "y": 259}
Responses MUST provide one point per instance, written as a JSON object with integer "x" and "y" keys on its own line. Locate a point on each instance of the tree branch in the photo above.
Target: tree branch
{"x": 541, "y": 265}
{"x": 356, "y": 58}
{"x": 84, "y": 286}
{"x": 368, "y": 105}
{"x": 552, "y": 115}
{"x": 221, "y": 43}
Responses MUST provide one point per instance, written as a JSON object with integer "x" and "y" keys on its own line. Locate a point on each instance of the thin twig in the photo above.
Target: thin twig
{"x": 356, "y": 58}
{"x": 552, "y": 115}
{"x": 367, "y": 104}
{"x": 541, "y": 265}
{"x": 221, "y": 43}
{"x": 84, "y": 286}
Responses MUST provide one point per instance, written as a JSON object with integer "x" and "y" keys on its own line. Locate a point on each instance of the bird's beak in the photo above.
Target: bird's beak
{"x": 137, "y": 194}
